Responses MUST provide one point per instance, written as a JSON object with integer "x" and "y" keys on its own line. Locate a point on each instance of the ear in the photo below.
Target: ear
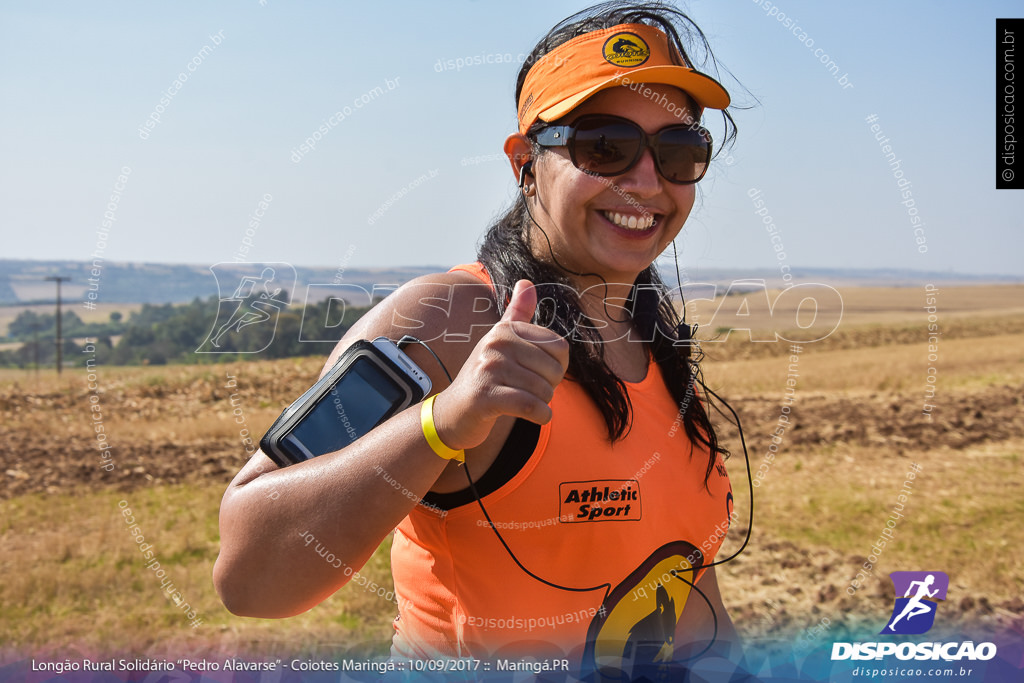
{"x": 519, "y": 151}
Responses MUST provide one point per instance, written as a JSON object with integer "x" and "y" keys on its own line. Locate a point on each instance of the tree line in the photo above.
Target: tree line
{"x": 181, "y": 333}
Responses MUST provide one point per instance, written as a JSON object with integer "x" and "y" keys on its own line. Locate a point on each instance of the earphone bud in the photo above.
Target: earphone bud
{"x": 526, "y": 168}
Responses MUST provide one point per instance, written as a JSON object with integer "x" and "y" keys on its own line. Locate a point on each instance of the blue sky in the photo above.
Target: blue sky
{"x": 78, "y": 80}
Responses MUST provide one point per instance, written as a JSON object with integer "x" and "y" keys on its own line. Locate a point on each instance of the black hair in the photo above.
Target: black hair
{"x": 506, "y": 253}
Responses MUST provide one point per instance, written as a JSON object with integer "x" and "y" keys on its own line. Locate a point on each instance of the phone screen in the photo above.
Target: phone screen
{"x": 356, "y": 404}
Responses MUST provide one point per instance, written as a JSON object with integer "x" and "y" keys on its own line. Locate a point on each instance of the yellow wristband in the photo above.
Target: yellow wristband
{"x": 430, "y": 431}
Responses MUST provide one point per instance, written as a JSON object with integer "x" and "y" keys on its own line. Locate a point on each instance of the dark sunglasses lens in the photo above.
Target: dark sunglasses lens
{"x": 604, "y": 148}
{"x": 683, "y": 154}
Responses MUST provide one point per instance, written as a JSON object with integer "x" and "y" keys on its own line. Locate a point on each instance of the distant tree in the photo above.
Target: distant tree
{"x": 171, "y": 334}
{"x": 28, "y": 323}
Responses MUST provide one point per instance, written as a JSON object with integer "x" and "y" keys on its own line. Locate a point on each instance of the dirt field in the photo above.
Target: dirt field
{"x": 72, "y": 580}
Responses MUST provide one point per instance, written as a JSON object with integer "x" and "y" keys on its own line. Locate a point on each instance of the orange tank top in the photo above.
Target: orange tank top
{"x": 621, "y": 518}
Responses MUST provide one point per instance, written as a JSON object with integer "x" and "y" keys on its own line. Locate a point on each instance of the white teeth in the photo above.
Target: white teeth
{"x": 630, "y": 222}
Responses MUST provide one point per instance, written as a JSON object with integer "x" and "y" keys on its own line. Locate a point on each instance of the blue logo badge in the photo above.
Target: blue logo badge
{"x": 917, "y": 594}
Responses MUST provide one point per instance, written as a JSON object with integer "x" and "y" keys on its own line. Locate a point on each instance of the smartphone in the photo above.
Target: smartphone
{"x": 370, "y": 382}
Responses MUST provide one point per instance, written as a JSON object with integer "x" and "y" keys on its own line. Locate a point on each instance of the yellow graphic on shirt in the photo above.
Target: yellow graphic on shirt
{"x": 640, "y": 616}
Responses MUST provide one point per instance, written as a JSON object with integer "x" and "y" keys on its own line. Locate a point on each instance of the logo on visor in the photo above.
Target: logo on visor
{"x": 526, "y": 107}
{"x": 626, "y": 49}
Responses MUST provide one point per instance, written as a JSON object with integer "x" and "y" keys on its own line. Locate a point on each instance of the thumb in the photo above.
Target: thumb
{"x": 523, "y": 303}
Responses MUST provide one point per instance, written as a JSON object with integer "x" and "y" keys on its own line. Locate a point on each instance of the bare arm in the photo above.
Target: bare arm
{"x": 699, "y": 629}
{"x": 269, "y": 567}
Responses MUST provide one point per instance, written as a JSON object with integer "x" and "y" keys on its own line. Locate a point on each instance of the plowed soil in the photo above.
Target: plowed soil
{"x": 186, "y": 425}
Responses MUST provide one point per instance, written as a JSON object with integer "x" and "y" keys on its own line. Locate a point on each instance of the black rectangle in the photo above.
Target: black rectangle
{"x": 1009, "y": 136}
{"x": 365, "y": 387}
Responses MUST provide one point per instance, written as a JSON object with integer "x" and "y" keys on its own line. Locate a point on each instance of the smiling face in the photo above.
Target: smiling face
{"x": 604, "y": 225}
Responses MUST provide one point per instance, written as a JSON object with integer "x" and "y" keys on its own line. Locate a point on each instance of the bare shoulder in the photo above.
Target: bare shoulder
{"x": 448, "y": 311}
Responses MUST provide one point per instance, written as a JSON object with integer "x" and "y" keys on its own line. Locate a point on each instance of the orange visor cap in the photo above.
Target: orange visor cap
{"x": 618, "y": 56}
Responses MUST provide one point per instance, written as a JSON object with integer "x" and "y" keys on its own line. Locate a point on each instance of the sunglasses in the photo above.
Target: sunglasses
{"x": 605, "y": 145}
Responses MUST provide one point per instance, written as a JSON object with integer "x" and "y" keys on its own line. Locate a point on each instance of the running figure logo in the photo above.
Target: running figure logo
{"x": 247, "y": 319}
{"x": 914, "y": 612}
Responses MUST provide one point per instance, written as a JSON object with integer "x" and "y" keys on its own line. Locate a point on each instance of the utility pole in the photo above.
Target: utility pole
{"x": 59, "y": 279}
{"x": 35, "y": 347}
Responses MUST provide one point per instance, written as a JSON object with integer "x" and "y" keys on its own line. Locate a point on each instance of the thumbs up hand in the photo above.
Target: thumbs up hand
{"x": 523, "y": 304}
{"x": 512, "y": 371}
